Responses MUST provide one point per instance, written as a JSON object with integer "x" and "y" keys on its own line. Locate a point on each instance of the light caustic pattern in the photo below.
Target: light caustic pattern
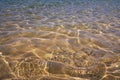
{"x": 44, "y": 42}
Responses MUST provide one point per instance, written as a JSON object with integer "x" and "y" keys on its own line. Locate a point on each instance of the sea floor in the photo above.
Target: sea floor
{"x": 59, "y": 40}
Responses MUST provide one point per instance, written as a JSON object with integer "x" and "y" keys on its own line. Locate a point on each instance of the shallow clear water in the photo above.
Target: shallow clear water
{"x": 71, "y": 39}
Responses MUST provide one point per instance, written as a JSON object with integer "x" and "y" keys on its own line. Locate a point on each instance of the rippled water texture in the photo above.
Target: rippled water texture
{"x": 59, "y": 39}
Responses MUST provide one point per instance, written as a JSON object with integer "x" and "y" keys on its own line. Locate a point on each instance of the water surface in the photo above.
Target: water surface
{"x": 60, "y": 39}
